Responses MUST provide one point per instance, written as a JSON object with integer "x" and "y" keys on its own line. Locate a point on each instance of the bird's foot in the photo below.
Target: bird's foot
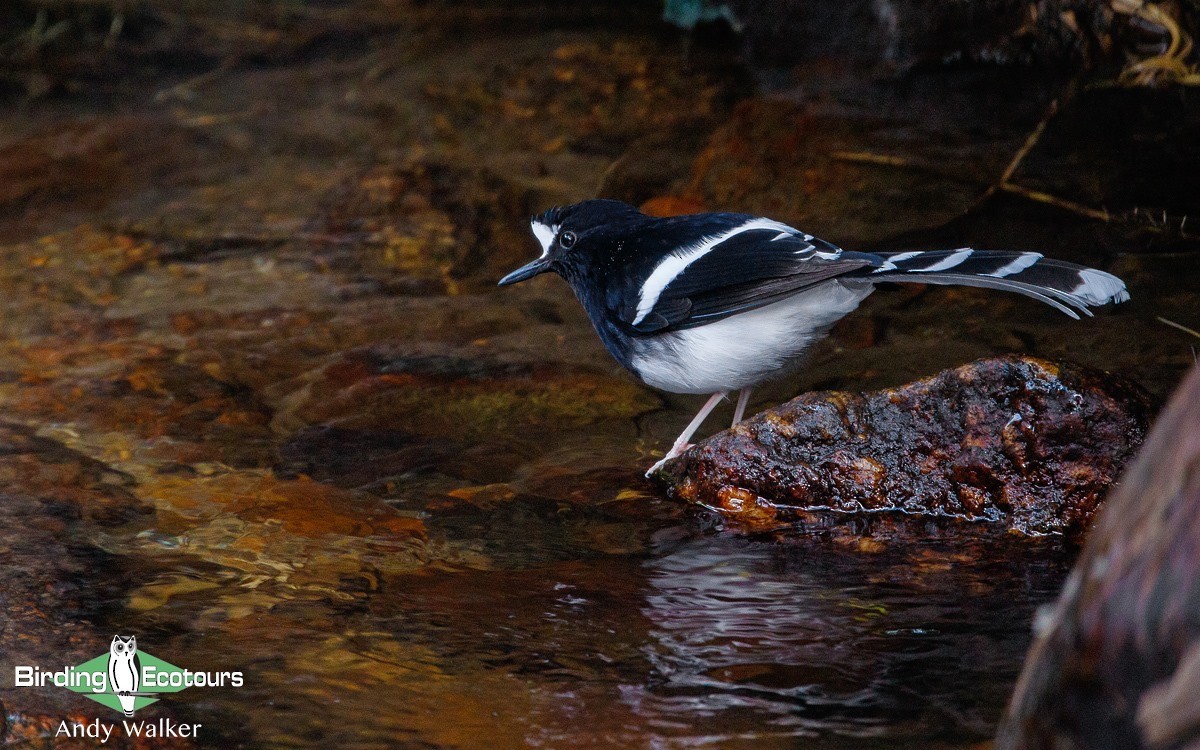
{"x": 676, "y": 451}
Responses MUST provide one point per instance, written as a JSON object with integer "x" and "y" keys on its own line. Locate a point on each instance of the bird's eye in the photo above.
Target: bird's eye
{"x": 567, "y": 240}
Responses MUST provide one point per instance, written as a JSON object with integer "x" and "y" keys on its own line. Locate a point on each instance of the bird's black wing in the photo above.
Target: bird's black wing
{"x": 749, "y": 268}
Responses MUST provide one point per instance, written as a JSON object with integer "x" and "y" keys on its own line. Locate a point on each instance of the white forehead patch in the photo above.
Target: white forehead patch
{"x": 545, "y": 234}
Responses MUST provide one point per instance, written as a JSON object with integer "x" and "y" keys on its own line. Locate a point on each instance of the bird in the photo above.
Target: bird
{"x": 713, "y": 303}
{"x": 124, "y": 671}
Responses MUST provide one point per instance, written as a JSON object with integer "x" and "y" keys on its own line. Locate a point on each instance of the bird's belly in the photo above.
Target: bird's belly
{"x": 743, "y": 349}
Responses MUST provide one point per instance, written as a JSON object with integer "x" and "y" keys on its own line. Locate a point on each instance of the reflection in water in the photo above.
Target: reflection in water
{"x": 799, "y": 640}
{"x": 695, "y": 638}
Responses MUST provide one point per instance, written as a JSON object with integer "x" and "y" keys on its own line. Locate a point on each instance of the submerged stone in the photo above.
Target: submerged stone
{"x": 1012, "y": 440}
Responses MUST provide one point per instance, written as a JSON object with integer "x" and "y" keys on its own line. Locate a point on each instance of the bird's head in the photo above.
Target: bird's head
{"x": 572, "y": 236}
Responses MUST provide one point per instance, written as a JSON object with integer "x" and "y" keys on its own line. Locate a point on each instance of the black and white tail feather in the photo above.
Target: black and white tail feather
{"x": 1065, "y": 286}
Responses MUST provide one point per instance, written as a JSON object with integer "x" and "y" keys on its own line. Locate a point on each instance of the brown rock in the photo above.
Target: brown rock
{"x": 671, "y": 205}
{"x": 1117, "y": 659}
{"x": 84, "y": 165}
{"x": 1012, "y": 440}
{"x": 430, "y": 222}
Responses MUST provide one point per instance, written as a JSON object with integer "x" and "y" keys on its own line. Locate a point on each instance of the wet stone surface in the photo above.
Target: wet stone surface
{"x": 1026, "y": 444}
{"x": 263, "y": 406}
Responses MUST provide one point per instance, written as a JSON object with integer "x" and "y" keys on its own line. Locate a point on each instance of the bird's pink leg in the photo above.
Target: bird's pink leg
{"x": 681, "y": 442}
{"x": 740, "y": 411}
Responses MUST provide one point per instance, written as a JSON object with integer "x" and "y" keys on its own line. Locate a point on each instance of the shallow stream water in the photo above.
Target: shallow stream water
{"x": 263, "y": 407}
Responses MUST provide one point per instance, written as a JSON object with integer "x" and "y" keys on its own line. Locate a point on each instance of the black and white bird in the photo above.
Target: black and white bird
{"x": 717, "y": 302}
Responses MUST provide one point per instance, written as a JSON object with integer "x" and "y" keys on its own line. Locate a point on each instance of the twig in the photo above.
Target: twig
{"x": 186, "y": 89}
{"x": 866, "y": 157}
{"x": 115, "y": 27}
{"x": 204, "y": 121}
{"x": 1180, "y": 326}
{"x": 1004, "y": 183}
{"x": 900, "y": 162}
{"x": 1134, "y": 217}
{"x": 1185, "y": 329}
{"x": 1066, "y": 205}
{"x": 1031, "y": 140}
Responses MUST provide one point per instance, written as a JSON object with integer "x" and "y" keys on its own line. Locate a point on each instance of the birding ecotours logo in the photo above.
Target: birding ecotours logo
{"x": 125, "y": 679}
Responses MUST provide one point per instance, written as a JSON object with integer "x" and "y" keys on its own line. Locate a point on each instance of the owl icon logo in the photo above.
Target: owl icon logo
{"x": 124, "y": 671}
{"x": 126, "y": 679}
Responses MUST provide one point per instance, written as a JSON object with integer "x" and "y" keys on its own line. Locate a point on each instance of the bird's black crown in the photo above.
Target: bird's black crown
{"x": 587, "y": 214}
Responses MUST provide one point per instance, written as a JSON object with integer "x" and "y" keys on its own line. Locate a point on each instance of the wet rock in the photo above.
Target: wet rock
{"x": 1117, "y": 659}
{"x": 389, "y": 387}
{"x": 428, "y": 221}
{"x": 587, "y": 97}
{"x": 1013, "y": 441}
{"x": 275, "y": 540}
{"x": 357, "y": 458}
{"x": 83, "y": 167}
{"x": 144, "y": 393}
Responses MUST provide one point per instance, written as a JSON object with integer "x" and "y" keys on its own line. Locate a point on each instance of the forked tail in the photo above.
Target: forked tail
{"x": 1066, "y": 286}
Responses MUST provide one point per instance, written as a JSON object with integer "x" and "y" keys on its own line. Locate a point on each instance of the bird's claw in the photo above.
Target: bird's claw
{"x": 675, "y": 452}
{"x": 658, "y": 465}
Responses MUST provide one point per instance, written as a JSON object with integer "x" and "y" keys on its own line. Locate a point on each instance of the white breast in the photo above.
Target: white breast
{"x": 746, "y": 348}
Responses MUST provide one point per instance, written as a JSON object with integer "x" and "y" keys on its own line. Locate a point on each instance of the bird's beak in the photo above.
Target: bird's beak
{"x": 527, "y": 271}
